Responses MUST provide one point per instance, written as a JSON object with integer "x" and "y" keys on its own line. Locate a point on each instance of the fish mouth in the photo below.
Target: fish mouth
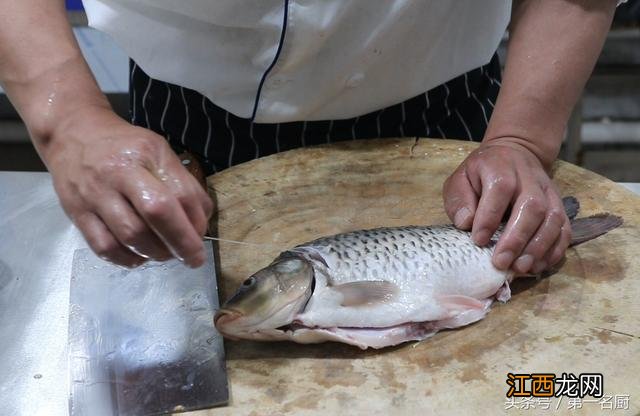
{"x": 225, "y": 316}
{"x": 225, "y": 319}
{"x": 229, "y": 323}
{"x": 295, "y": 326}
{"x": 281, "y": 333}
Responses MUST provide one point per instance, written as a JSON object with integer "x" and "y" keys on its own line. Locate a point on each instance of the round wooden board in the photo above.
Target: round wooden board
{"x": 584, "y": 319}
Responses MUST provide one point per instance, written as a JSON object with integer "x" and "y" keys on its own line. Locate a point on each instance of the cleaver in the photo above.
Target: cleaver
{"x": 142, "y": 341}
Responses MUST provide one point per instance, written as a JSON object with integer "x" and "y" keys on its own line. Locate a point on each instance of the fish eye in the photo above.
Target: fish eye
{"x": 250, "y": 281}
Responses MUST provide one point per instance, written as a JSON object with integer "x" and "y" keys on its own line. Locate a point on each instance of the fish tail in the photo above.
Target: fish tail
{"x": 571, "y": 206}
{"x": 588, "y": 228}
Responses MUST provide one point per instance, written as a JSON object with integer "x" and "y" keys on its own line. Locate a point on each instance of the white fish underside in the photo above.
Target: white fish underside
{"x": 443, "y": 280}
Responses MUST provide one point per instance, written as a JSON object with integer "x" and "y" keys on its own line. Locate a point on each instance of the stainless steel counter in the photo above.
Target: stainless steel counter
{"x": 632, "y": 186}
{"x": 37, "y": 243}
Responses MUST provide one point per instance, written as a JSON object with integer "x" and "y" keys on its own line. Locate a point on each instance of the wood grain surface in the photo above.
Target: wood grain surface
{"x": 585, "y": 318}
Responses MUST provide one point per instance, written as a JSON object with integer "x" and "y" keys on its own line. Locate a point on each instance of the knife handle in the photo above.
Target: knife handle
{"x": 191, "y": 163}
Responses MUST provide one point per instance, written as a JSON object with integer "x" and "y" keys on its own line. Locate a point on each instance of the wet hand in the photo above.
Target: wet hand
{"x": 127, "y": 191}
{"x": 504, "y": 177}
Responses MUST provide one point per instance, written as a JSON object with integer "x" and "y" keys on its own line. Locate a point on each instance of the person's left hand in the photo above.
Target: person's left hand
{"x": 505, "y": 174}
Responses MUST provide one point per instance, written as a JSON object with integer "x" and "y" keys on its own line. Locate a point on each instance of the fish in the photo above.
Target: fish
{"x": 379, "y": 287}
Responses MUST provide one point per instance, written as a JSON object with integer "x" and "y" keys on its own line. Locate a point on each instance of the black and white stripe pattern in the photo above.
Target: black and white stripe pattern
{"x": 460, "y": 108}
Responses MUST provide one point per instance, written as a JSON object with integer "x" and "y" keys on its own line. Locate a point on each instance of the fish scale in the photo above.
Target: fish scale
{"x": 407, "y": 252}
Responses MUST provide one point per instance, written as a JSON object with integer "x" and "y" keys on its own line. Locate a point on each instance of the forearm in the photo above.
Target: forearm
{"x": 553, "y": 47}
{"x": 42, "y": 68}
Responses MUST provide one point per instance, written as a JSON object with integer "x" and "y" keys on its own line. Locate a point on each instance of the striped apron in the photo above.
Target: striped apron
{"x": 458, "y": 109}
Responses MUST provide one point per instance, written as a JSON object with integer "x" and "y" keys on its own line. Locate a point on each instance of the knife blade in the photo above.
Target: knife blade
{"x": 142, "y": 341}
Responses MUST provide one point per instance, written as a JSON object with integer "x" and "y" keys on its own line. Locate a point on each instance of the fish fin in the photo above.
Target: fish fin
{"x": 456, "y": 302}
{"x": 465, "y": 317}
{"x": 504, "y": 293}
{"x": 366, "y": 292}
{"x": 585, "y": 229}
{"x": 552, "y": 269}
{"x": 571, "y": 206}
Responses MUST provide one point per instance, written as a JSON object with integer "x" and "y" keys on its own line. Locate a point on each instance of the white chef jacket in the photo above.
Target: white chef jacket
{"x": 288, "y": 60}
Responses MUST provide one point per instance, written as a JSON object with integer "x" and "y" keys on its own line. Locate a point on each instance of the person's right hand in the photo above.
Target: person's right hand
{"x": 127, "y": 191}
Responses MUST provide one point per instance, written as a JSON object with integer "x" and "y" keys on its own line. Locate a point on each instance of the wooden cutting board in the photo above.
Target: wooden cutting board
{"x": 584, "y": 319}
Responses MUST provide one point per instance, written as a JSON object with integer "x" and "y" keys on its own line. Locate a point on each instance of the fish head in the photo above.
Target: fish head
{"x": 267, "y": 300}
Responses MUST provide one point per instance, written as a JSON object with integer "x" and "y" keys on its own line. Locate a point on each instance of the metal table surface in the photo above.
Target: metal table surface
{"x": 36, "y": 249}
{"x": 632, "y": 186}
